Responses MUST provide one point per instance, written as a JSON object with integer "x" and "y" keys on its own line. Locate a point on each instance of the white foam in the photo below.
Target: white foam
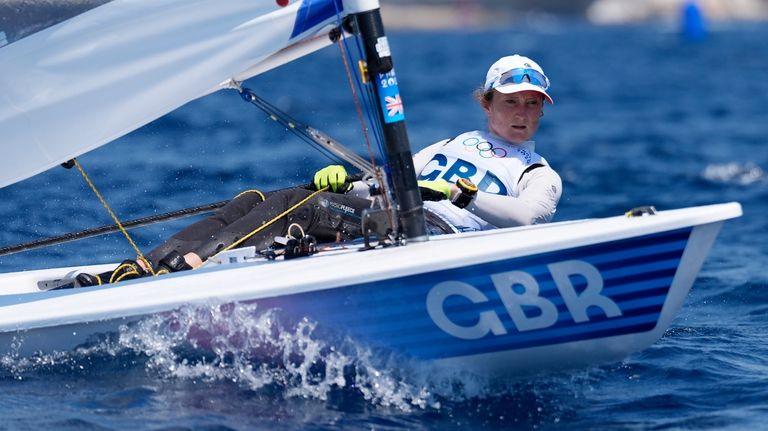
{"x": 252, "y": 348}
{"x": 734, "y": 173}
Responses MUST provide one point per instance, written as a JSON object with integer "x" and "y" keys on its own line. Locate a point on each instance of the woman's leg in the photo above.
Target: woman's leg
{"x": 198, "y": 233}
{"x": 325, "y": 216}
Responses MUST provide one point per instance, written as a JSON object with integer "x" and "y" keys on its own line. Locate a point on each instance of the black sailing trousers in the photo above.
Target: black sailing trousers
{"x": 327, "y": 216}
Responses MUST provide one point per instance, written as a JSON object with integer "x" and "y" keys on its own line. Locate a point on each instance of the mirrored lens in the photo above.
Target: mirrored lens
{"x": 518, "y": 76}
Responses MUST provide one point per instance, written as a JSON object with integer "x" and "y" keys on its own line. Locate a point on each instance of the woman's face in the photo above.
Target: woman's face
{"x": 514, "y": 117}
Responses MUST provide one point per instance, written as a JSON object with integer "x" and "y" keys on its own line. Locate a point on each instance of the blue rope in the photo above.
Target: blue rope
{"x": 367, "y": 96}
{"x": 370, "y": 99}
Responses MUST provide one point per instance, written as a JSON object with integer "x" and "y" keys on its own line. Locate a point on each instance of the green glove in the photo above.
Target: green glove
{"x": 333, "y": 177}
{"x": 436, "y": 190}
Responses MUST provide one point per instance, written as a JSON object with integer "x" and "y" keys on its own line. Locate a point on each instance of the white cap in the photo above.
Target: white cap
{"x": 531, "y": 76}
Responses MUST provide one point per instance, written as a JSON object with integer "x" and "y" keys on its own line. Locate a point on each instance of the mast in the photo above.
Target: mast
{"x": 399, "y": 157}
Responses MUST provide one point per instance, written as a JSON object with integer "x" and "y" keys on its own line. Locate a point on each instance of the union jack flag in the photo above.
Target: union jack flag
{"x": 394, "y": 105}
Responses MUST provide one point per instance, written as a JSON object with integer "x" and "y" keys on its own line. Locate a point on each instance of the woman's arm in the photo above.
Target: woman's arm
{"x": 540, "y": 191}
{"x": 424, "y": 156}
{"x": 420, "y": 159}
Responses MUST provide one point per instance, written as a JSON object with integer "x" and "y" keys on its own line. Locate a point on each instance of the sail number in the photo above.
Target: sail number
{"x": 388, "y": 80}
{"x": 519, "y": 291}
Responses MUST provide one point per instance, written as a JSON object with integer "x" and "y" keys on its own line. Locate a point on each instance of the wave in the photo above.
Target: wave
{"x": 240, "y": 351}
{"x": 260, "y": 351}
{"x": 256, "y": 350}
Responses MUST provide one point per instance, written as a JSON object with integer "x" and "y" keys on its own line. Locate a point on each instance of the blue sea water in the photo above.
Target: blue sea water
{"x": 641, "y": 117}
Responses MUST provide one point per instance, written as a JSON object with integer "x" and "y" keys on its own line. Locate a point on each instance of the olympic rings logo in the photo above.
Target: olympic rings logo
{"x": 484, "y": 148}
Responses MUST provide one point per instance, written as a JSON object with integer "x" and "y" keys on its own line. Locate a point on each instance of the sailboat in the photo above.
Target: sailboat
{"x": 502, "y": 302}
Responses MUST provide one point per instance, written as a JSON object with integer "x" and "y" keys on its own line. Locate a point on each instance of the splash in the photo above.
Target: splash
{"x": 262, "y": 351}
{"x": 258, "y": 350}
{"x": 734, "y": 173}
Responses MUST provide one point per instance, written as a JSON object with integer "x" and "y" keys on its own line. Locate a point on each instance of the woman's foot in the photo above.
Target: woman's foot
{"x": 173, "y": 262}
{"x": 127, "y": 270}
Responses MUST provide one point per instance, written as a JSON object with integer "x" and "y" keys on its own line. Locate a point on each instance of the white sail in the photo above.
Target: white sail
{"x": 86, "y": 81}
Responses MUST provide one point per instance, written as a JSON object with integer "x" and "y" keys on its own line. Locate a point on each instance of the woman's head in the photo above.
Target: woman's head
{"x": 513, "y": 97}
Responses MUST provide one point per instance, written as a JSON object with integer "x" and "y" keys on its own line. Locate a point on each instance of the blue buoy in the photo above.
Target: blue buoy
{"x": 693, "y": 25}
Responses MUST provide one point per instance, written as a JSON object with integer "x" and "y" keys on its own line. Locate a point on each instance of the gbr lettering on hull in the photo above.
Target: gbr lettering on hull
{"x": 518, "y": 289}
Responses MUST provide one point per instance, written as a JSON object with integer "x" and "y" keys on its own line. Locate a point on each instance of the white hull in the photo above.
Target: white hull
{"x": 506, "y": 301}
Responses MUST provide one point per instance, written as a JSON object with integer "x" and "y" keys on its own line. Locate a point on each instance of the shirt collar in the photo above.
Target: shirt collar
{"x": 527, "y": 145}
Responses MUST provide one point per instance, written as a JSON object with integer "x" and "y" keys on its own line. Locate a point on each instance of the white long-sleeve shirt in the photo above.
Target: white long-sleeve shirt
{"x": 516, "y": 185}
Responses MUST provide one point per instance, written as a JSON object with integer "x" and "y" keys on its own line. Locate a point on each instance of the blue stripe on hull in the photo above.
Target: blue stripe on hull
{"x": 634, "y": 274}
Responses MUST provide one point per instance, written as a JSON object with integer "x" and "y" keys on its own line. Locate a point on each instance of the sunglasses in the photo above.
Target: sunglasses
{"x": 521, "y": 75}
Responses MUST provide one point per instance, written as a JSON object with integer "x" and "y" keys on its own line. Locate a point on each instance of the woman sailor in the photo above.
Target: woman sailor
{"x": 478, "y": 180}
{"x": 516, "y": 186}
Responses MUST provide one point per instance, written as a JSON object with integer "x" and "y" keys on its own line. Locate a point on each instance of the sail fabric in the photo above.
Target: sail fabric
{"x": 86, "y": 81}
{"x": 21, "y": 18}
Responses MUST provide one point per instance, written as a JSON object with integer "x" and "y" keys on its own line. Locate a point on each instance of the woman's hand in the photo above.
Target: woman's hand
{"x": 334, "y": 177}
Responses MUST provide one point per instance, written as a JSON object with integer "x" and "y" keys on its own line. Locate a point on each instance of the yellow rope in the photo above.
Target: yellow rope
{"x": 270, "y": 222}
{"x": 132, "y": 271}
{"x": 114, "y": 217}
{"x": 126, "y": 274}
{"x": 233, "y": 245}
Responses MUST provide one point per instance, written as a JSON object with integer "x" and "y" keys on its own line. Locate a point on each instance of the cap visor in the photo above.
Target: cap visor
{"x": 525, "y": 86}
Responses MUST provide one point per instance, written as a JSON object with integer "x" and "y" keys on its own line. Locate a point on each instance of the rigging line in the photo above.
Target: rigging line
{"x": 299, "y": 133}
{"x": 307, "y": 133}
{"x": 367, "y": 90}
{"x": 356, "y": 98}
{"x": 331, "y": 148}
{"x": 276, "y": 116}
{"x": 371, "y": 100}
{"x": 377, "y": 173}
{"x": 378, "y": 132}
{"x": 114, "y": 217}
{"x": 340, "y": 36}
{"x": 144, "y": 221}
{"x": 360, "y": 81}
{"x": 368, "y": 102}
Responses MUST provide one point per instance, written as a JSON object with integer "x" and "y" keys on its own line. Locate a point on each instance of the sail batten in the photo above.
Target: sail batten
{"x": 87, "y": 81}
